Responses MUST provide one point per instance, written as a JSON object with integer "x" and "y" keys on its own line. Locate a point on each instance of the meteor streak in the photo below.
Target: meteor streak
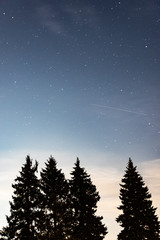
{"x": 120, "y": 109}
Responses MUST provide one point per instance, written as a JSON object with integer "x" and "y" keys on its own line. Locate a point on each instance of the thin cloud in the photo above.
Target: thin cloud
{"x": 82, "y": 13}
{"x": 55, "y": 27}
{"x": 79, "y": 15}
{"x": 49, "y": 18}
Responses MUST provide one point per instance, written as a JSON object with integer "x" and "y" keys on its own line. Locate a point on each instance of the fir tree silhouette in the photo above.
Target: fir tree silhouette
{"x": 138, "y": 220}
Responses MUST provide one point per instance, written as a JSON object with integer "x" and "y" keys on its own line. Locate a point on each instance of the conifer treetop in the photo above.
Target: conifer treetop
{"x": 138, "y": 218}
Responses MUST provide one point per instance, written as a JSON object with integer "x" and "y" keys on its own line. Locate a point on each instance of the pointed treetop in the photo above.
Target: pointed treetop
{"x": 52, "y": 158}
{"x": 28, "y": 160}
{"x": 131, "y": 168}
{"x": 52, "y": 161}
{"x": 130, "y": 163}
{"x": 78, "y": 162}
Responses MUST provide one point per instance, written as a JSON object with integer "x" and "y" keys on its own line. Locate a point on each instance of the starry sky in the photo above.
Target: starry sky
{"x": 80, "y": 78}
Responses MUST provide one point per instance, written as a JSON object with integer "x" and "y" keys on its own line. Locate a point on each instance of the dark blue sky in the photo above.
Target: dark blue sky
{"x": 80, "y": 75}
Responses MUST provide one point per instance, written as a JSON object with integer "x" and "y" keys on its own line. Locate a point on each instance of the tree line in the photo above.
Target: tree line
{"x": 53, "y": 208}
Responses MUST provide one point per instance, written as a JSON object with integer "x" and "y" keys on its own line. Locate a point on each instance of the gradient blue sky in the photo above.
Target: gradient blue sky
{"x": 79, "y": 78}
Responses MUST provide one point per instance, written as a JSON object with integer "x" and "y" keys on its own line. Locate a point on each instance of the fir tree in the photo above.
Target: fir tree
{"x": 87, "y": 225}
{"x": 138, "y": 219}
{"x": 56, "y": 202}
{"x": 23, "y": 223}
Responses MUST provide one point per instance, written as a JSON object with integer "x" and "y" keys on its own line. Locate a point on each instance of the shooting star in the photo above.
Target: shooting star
{"x": 120, "y": 109}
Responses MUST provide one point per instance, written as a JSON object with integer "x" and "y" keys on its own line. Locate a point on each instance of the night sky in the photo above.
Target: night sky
{"x": 79, "y": 78}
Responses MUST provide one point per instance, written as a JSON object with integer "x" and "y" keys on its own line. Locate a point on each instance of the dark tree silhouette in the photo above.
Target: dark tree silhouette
{"x": 138, "y": 219}
{"x": 56, "y": 203}
{"x": 24, "y": 221}
{"x": 87, "y": 225}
